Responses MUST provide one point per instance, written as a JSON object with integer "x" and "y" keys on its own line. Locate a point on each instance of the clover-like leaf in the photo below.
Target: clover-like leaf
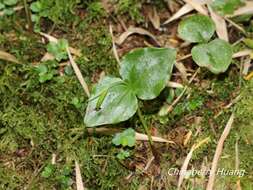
{"x": 147, "y": 70}
{"x": 58, "y": 49}
{"x": 216, "y": 55}
{"x": 111, "y": 101}
{"x": 125, "y": 138}
{"x": 123, "y": 154}
{"x": 196, "y": 28}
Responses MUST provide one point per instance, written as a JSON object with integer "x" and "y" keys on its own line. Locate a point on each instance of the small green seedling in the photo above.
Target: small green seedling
{"x": 126, "y": 138}
{"x": 48, "y": 171}
{"x": 215, "y": 55}
{"x": 144, "y": 75}
{"x": 58, "y": 49}
{"x": 7, "y": 6}
{"x": 46, "y": 72}
{"x": 123, "y": 154}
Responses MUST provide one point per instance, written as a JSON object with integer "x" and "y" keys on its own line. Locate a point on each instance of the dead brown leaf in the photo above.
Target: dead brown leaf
{"x": 220, "y": 24}
{"x": 8, "y": 57}
{"x": 134, "y": 30}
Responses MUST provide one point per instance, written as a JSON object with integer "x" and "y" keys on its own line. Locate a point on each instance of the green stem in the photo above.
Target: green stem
{"x": 145, "y": 126}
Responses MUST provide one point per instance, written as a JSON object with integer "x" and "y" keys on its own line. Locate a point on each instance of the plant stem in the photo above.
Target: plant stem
{"x": 28, "y": 16}
{"x": 145, "y": 126}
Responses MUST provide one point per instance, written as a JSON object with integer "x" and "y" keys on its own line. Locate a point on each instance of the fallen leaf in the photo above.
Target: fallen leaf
{"x": 197, "y": 6}
{"x": 78, "y": 73}
{"x": 183, "y": 170}
{"x": 154, "y": 18}
{"x": 143, "y": 137}
{"x": 47, "y": 57}
{"x": 79, "y": 181}
{"x": 8, "y": 57}
{"x": 174, "y": 85}
{"x": 246, "y": 9}
{"x": 134, "y": 30}
{"x": 184, "y": 10}
{"x": 242, "y": 53}
{"x": 220, "y": 24}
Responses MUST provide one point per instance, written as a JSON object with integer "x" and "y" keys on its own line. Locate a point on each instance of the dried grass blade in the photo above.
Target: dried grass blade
{"x": 78, "y": 73}
{"x": 8, "y": 57}
{"x": 134, "y": 30}
{"x": 220, "y": 23}
{"x": 218, "y": 152}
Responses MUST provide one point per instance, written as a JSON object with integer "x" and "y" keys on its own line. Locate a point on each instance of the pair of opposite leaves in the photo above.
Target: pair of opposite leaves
{"x": 145, "y": 72}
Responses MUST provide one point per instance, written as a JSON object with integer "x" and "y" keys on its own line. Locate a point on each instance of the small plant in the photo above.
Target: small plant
{"x": 58, "y": 49}
{"x": 48, "y": 171}
{"x": 126, "y": 138}
{"x": 61, "y": 175}
{"x": 144, "y": 75}
{"x": 58, "y": 11}
{"x": 215, "y": 55}
{"x": 95, "y": 10}
{"x": 123, "y": 154}
{"x": 46, "y": 71}
{"x": 7, "y": 6}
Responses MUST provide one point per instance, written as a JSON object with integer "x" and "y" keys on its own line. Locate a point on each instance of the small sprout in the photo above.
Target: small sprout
{"x": 123, "y": 154}
{"x": 126, "y": 138}
{"x": 68, "y": 70}
{"x": 45, "y": 74}
{"x": 48, "y": 171}
{"x": 77, "y": 102}
{"x": 58, "y": 50}
{"x": 36, "y": 6}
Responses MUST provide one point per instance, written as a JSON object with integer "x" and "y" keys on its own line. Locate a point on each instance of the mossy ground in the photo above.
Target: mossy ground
{"x": 38, "y": 120}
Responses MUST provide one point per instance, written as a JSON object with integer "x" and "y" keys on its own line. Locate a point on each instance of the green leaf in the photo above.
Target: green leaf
{"x": 196, "y": 28}
{"x": 118, "y": 105}
{"x": 216, "y": 55}
{"x": 58, "y": 49}
{"x": 123, "y": 154}
{"x": 147, "y": 70}
{"x": 2, "y": 6}
{"x": 48, "y": 171}
{"x": 36, "y": 6}
{"x": 41, "y": 69}
{"x": 10, "y": 2}
{"x": 226, "y": 6}
{"x": 248, "y": 42}
{"x": 8, "y": 11}
{"x": 125, "y": 138}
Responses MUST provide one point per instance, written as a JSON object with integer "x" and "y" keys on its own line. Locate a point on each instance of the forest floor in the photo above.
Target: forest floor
{"x": 42, "y": 131}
